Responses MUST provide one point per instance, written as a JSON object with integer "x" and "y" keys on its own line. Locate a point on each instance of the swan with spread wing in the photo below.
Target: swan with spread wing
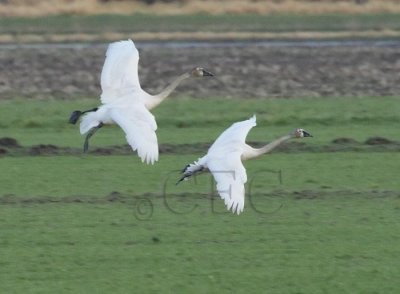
{"x": 125, "y": 103}
{"x": 224, "y": 160}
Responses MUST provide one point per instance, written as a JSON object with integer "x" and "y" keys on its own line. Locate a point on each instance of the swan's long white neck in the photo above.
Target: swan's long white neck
{"x": 157, "y": 99}
{"x": 251, "y": 152}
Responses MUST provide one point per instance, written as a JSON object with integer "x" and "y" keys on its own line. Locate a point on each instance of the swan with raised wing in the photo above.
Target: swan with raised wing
{"x": 125, "y": 103}
{"x": 224, "y": 160}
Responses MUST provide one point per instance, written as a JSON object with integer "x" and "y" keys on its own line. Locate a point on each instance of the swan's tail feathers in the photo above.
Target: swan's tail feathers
{"x": 191, "y": 169}
{"x": 89, "y": 121}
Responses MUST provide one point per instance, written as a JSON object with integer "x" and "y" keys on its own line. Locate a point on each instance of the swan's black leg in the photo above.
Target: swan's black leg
{"x": 89, "y": 134}
{"x": 75, "y": 115}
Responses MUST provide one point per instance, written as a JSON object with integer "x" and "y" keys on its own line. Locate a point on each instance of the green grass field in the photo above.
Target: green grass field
{"x": 101, "y": 224}
{"x": 66, "y": 24}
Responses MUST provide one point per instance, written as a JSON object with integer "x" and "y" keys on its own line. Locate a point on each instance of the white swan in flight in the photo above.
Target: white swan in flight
{"x": 125, "y": 103}
{"x": 224, "y": 161}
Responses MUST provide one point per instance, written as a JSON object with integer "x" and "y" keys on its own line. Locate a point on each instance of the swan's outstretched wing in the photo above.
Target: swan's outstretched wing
{"x": 233, "y": 138}
{"x": 139, "y": 126}
{"x": 120, "y": 71}
{"x": 230, "y": 175}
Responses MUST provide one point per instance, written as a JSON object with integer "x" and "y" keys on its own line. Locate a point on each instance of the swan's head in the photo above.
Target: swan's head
{"x": 300, "y": 133}
{"x": 199, "y": 72}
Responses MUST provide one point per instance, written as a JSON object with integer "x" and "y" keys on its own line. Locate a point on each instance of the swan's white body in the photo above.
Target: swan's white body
{"x": 224, "y": 161}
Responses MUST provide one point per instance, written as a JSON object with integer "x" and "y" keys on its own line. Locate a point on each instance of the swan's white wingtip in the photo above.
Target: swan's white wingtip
{"x": 253, "y": 119}
{"x": 148, "y": 159}
{"x": 235, "y": 207}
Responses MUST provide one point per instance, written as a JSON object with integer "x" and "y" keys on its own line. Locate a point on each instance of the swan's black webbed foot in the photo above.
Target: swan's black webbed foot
{"x": 75, "y": 115}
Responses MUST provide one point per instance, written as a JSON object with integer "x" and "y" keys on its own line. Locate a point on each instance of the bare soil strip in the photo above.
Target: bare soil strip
{"x": 250, "y": 71}
{"x": 10, "y": 147}
{"x": 129, "y": 199}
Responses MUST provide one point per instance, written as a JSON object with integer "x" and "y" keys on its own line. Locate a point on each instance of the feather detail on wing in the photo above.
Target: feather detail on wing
{"x": 120, "y": 71}
{"x": 230, "y": 176}
{"x": 139, "y": 126}
{"x": 233, "y": 138}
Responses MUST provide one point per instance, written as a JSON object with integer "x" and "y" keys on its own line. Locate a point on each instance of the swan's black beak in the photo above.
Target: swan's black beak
{"x": 207, "y": 74}
{"x": 306, "y": 134}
